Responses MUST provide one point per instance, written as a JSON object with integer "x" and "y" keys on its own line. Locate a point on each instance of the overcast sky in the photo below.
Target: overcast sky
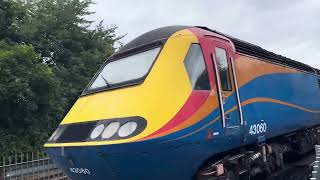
{"x": 287, "y": 27}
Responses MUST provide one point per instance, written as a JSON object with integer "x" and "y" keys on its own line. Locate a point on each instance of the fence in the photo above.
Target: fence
{"x": 316, "y": 165}
{"x": 29, "y": 166}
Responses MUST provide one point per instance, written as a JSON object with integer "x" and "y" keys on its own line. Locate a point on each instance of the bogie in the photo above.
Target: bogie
{"x": 265, "y": 158}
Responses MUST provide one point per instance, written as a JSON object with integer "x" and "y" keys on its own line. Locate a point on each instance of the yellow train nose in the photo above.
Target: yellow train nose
{"x": 157, "y": 99}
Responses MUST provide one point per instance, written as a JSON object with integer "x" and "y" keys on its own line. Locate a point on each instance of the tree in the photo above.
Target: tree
{"x": 59, "y": 32}
{"x": 48, "y": 54}
{"x": 12, "y": 13}
{"x": 27, "y": 90}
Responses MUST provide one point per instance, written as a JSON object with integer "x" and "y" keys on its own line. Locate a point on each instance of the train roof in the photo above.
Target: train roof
{"x": 256, "y": 51}
{"x": 160, "y": 35}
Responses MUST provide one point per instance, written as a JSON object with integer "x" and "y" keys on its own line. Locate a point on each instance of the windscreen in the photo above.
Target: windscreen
{"x": 125, "y": 70}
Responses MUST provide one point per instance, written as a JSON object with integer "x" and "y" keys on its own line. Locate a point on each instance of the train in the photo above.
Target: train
{"x": 189, "y": 102}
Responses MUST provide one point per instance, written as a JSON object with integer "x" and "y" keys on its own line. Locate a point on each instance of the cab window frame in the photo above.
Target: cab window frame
{"x": 118, "y": 56}
{"x": 208, "y": 88}
{"x": 229, "y": 80}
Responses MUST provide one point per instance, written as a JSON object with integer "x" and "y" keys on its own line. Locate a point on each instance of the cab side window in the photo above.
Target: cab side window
{"x": 196, "y": 68}
{"x": 223, "y": 69}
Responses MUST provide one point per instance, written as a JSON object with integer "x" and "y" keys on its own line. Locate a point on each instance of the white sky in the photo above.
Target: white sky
{"x": 287, "y": 27}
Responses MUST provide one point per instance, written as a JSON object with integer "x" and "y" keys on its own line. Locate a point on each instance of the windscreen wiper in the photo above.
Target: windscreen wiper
{"x": 106, "y": 81}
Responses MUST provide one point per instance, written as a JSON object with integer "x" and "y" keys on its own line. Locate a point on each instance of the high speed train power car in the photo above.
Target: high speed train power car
{"x": 185, "y": 102}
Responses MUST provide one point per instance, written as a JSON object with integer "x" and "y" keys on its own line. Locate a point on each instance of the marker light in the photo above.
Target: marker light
{"x": 97, "y": 131}
{"x": 57, "y": 133}
{"x": 110, "y": 130}
{"x": 53, "y": 136}
{"x": 127, "y": 129}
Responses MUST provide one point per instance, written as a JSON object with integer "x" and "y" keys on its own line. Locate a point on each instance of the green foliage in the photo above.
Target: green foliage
{"x": 12, "y": 14}
{"x": 26, "y": 85}
{"x": 48, "y": 54}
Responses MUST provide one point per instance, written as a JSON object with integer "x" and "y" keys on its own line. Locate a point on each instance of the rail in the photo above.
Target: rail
{"x": 30, "y": 166}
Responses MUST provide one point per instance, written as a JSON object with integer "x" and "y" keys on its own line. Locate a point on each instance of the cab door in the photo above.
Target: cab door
{"x": 230, "y": 105}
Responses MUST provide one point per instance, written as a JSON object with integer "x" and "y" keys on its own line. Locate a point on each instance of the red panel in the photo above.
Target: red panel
{"x": 206, "y": 49}
{"x": 194, "y": 102}
{"x": 197, "y": 98}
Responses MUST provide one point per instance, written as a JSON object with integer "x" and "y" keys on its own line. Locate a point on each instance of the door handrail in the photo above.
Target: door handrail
{"x": 219, "y": 91}
{"x": 237, "y": 90}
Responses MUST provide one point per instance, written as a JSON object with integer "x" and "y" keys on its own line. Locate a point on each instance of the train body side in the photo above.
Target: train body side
{"x": 285, "y": 99}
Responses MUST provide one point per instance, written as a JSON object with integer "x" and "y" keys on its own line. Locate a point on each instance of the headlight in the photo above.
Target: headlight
{"x": 119, "y": 128}
{"x": 102, "y": 130}
{"x": 110, "y": 130}
{"x": 127, "y": 129}
{"x": 97, "y": 131}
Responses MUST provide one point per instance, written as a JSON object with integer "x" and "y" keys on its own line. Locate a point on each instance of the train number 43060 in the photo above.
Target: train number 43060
{"x": 258, "y": 128}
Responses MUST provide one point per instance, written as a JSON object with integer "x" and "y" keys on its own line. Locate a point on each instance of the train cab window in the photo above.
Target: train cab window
{"x": 223, "y": 69}
{"x": 125, "y": 70}
{"x": 196, "y": 68}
